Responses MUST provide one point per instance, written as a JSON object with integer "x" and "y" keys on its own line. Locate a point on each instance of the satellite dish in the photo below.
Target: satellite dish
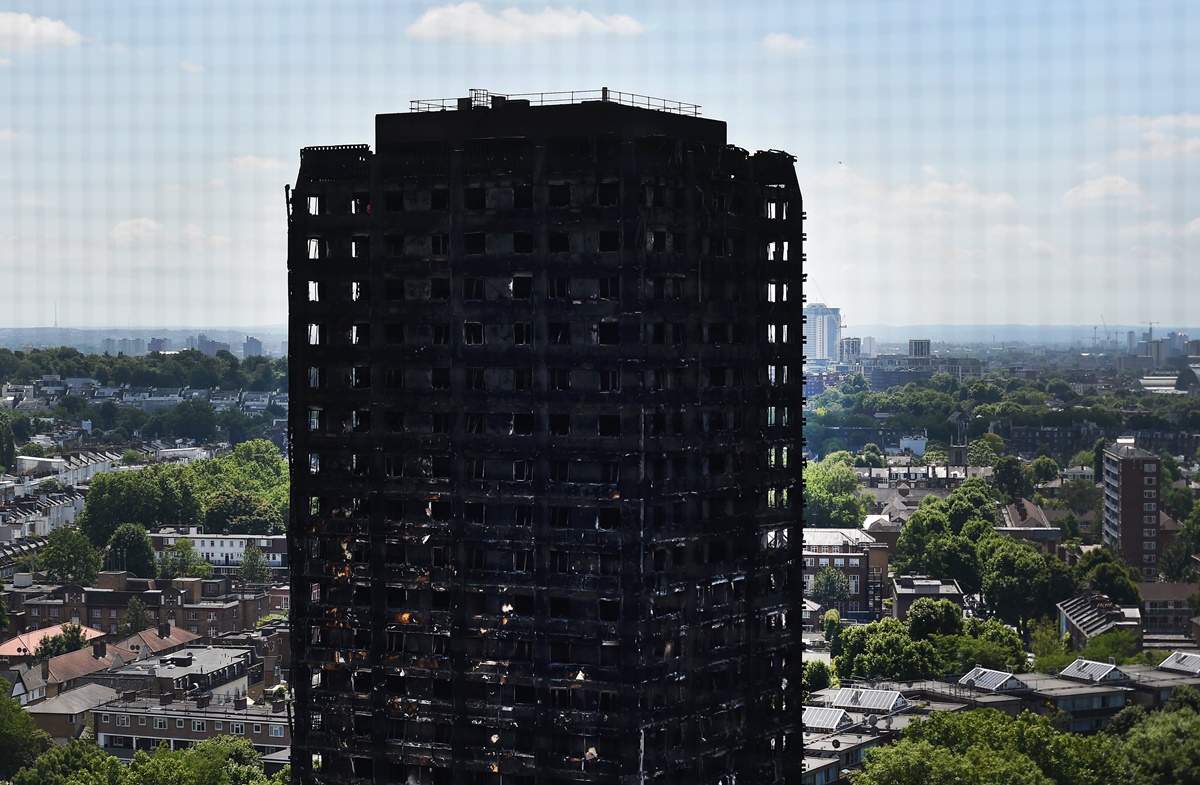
{"x": 970, "y": 684}
{"x": 835, "y": 744}
{"x": 872, "y": 720}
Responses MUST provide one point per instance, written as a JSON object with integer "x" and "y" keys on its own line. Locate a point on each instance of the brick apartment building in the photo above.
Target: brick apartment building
{"x": 857, "y": 554}
{"x": 1135, "y": 522}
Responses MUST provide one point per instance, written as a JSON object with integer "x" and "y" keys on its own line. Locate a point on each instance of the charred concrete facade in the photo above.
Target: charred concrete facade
{"x": 545, "y": 381}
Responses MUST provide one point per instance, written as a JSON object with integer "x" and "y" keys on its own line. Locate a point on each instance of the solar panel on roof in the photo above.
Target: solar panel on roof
{"x": 875, "y": 700}
{"x": 821, "y": 718}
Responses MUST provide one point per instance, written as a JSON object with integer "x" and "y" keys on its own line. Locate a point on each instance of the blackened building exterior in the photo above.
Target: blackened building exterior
{"x": 545, "y": 382}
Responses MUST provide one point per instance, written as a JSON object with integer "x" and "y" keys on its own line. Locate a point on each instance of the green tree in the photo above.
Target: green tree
{"x": 1126, "y": 720}
{"x": 33, "y": 451}
{"x": 816, "y": 676}
{"x": 830, "y": 587}
{"x": 70, "y": 639}
{"x": 69, "y": 557}
{"x": 130, "y": 548}
{"x": 1045, "y": 469}
{"x": 1163, "y": 748}
{"x": 1185, "y": 696}
{"x": 1113, "y": 580}
{"x": 255, "y": 567}
{"x": 1009, "y": 572}
{"x": 1079, "y": 496}
{"x": 1012, "y": 479}
{"x": 240, "y": 512}
{"x": 8, "y": 450}
{"x": 831, "y": 628}
{"x": 21, "y": 741}
{"x": 1098, "y": 459}
{"x": 833, "y": 496}
{"x": 928, "y": 617}
{"x": 182, "y": 561}
{"x": 137, "y": 618}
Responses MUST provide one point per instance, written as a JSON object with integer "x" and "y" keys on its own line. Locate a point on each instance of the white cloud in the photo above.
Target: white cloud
{"x": 25, "y": 33}
{"x": 1009, "y": 230}
{"x": 10, "y": 135}
{"x": 135, "y": 231}
{"x": 1156, "y": 144}
{"x": 1108, "y": 187}
{"x": 256, "y": 163}
{"x": 471, "y": 22}
{"x": 784, "y": 42}
{"x": 1165, "y": 121}
{"x": 4, "y": 61}
{"x": 193, "y": 236}
{"x": 190, "y": 68}
{"x": 929, "y": 170}
{"x": 942, "y": 194}
{"x": 1147, "y": 229}
{"x": 1192, "y": 227}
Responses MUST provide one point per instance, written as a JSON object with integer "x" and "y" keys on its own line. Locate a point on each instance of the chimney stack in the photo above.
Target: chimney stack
{"x": 164, "y": 629}
{"x": 99, "y": 649}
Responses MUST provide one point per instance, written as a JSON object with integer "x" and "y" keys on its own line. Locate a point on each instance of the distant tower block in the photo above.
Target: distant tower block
{"x": 849, "y": 350}
{"x": 918, "y": 347}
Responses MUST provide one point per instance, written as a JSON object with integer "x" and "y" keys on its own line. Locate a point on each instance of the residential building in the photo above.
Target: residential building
{"x": 822, "y": 332}
{"x": 252, "y": 347}
{"x": 857, "y": 554}
{"x": 1132, "y": 504}
{"x": 544, "y": 387}
{"x": 133, "y": 723}
{"x": 1091, "y": 613}
{"x": 66, "y": 716}
{"x": 225, "y": 552}
{"x": 907, "y": 589}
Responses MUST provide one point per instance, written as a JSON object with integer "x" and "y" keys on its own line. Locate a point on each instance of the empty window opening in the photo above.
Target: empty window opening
{"x": 609, "y": 425}
{"x": 439, "y": 244}
{"x": 560, "y": 379}
{"x": 560, "y": 288}
{"x": 472, "y": 333}
{"x": 474, "y": 243}
{"x": 522, "y": 333}
{"x": 523, "y": 197}
{"x": 522, "y": 287}
{"x": 439, "y": 379}
{"x": 439, "y": 199}
{"x": 317, "y": 248}
{"x": 560, "y": 424}
{"x": 559, "y": 332}
{"x": 360, "y": 291}
{"x": 472, "y": 288}
{"x": 314, "y": 292}
{"x": 609, "y": 288}
{"x": 439, "y": 289}
{"x": 393, "y": 333}
{"x": 523, "y": 470}
{"x": 441, "y": 334}
{"x": 559, "y": 194}
{"x": 393, "y": 244}
{"x": 557, "y": 242}
{"x": 607, "y": 194}
{"x": 315, "y": 205}
{"x": 610, "y": 241}
{"x": 522, "y": 242}
{"x": 316, "y": 334}
{"x": 360, "y": 334}
{"x": 609, "y": 333}
{"x": 360, "y": 377}
{"x": 360, "y": 247}
{"x": 474, "y": 198}
{"x": 393, "y": 201}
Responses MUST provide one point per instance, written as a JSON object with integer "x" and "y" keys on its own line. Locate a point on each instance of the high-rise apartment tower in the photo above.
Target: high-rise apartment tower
{"x": 545, "y": 415}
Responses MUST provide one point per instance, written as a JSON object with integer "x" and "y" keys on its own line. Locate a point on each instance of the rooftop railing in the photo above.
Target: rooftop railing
{"x": 484, "y": 99}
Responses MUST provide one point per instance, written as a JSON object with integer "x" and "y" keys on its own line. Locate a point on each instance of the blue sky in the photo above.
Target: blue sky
{"x": 961, "y": 161}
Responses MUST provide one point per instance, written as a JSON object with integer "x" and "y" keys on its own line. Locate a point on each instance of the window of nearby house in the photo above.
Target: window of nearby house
{"x": 72, "y": 719}
{"x": 1149, "y": 506}
{"x": 54, "y": 612}
{"x": 160, "y": 723}
{"x": 854, "y": 562}
{"x": 178, "y": 723}
{"x": 35, "y": 611}
{"x": 192, "y": 615}
{"x": 104, "y": 718}
{"x": 1150, "y": 468}
{"x": 808, "y": 561}
{"x": 839, "y": 562}
{"x": 1149, "y": 494}
{"x": 1149, "y": 519}
{"x": 277, "y": 731}
{"x": 112, "y": 613}
{"x": 824, "y": 562}
{"x": 141, "y": 720}
{"x": 199, "y": 726}
{"x": 854, "y": 584}
{"x": 218, "y": 726}
{"x": 95, "y": 613}
{"x": 1150, "y": 480}
{"x": 1149, "y": 545}
{"x": 122, "y": 720}
{"x": 237, "y": 728}
{"x": 257, "y": 728}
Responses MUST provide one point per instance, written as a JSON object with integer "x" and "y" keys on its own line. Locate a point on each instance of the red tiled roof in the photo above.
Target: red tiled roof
{"x": 66, "y": 667}
{"x": 30, "y": 640}
{"x": 149, "y": 640}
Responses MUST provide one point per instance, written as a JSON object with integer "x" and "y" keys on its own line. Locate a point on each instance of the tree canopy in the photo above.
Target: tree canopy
{"x": 182, "y": 561}
{"x": 69, "y": 557}
{"x": 131, "y": 549}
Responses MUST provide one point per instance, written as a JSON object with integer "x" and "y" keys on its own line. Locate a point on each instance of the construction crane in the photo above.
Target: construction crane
{"x": 1108, "y": 344}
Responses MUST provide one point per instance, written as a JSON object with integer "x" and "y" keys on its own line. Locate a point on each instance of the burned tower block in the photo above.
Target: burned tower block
{"x": 545, "y": 432}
